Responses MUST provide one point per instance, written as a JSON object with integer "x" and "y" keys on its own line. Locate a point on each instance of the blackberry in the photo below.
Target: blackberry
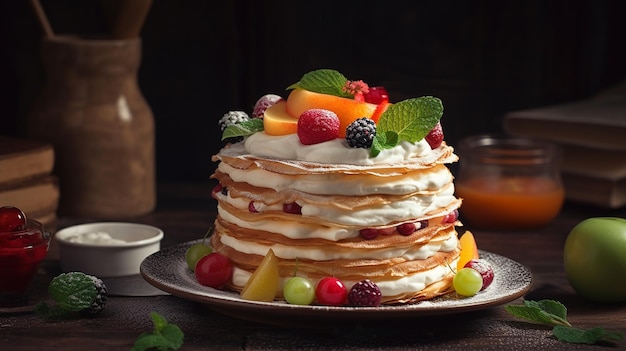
{"x": 365, "y": 293}
{"x": 232, "y": 117}
{"x": 361, "y": 132}
{"x": 101, "y": 298}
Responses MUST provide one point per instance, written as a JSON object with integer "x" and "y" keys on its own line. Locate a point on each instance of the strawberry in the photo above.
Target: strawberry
{"x": 435, "y": 136}
{"x": 317, "y": 125}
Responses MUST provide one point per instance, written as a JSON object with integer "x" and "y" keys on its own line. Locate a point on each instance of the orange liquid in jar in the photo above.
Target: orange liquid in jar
{"x": 509, "y": 202}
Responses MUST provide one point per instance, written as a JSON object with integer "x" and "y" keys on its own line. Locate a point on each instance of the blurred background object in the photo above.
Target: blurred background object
{"x": 202, "y": 59}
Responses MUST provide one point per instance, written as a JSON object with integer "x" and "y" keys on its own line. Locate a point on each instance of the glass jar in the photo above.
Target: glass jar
{"x": 508, "y": 182}
{"x": 21, "y": 252}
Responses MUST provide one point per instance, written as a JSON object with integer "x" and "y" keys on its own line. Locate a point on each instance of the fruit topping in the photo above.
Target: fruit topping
{"x": 361, "y": 132}
{"x": 376, "y": 95}
{"x": 277, "y": 121}
{"x": 12, "y": 219}
{"x": 263, "y": 284}
{"x": 467, "y": 282}
{"x": 435, "y": 136}
{"x": 317, "y": 125}
{"x": 292, "y": 208}
{"x": 331, "y": 291}
{"x": 216, "y": 189}
{"x": 484, "y": 268}
{"x": 368, "y": 233}
{"x": 298, "y": 291}
{"x": 407, "y": 228}
{"x": 263, "y": 103}
{"x": 196, "y": 251}
{"x": 469, "y": 249}
{"x": 357, "y": 88}
{"x": 365, "y": 293}
{"x": 252, "y": 208}
{"x": 451, "y": 217}
{"x": 232, "y": 117}
{"x": 213, "y": 270}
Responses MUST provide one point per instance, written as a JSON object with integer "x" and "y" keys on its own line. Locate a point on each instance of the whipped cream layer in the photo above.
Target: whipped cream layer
{"x": 343, "y": 184}
{"x": 336, "y": 151}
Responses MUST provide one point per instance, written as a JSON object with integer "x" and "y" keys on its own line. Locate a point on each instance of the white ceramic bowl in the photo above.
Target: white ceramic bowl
{"x": 99, "y": 255}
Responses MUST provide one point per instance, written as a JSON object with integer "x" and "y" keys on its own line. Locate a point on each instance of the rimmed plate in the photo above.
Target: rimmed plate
{"x": 168, "y": 271}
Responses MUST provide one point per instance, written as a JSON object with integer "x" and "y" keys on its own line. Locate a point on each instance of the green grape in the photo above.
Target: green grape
{"x": 298, "y": 291}
{"x": 467, "y": 282}
{"x": 194, "y": 253}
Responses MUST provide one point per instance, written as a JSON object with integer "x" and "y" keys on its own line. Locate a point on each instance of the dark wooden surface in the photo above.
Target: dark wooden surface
{"x": 185, "y": 212}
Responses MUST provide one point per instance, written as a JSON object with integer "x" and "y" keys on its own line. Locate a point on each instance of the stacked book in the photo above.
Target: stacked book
{"x": 592, "y": 137}
{"x": 26, "y": 179}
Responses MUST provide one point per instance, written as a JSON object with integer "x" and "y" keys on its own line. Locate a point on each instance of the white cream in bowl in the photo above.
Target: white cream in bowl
{"x": 107, "y": 249}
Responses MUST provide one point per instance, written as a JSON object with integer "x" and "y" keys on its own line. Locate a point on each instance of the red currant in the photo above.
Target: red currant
{"x": 407, "y": 228}
{"x": 331, "y": 291}
{"x": 376, "y": 95}
{"x": 12, "y": 219}
{"x": 213, "y": 270}
{"x": 368, "y": 233}
{"x": 292, "y": 208}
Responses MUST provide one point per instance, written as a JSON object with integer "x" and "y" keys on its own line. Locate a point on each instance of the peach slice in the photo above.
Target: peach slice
{"x": 347, "y": 110}
{"x": 469, "y": 249}
{"x": 263, "y": 284}
{"x": 276, "y": 120}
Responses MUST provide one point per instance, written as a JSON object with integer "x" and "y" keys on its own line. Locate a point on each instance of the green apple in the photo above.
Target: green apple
{"x": 595, "y": 259}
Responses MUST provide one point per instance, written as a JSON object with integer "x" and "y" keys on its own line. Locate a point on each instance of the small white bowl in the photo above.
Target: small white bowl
{"x": 121, "y": 256}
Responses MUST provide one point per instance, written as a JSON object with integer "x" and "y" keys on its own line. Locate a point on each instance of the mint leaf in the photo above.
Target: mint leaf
{"x": 73, "y": 291}
{"x": 323, "y": 81}
{"x": 166, "y": 336}
{"x": 411, "y": 119}
{"x": 246, "y": 128}
{"x": 581, "y": 336}
{"x": 546, "y": 312}
{"x": 384, "y": 140}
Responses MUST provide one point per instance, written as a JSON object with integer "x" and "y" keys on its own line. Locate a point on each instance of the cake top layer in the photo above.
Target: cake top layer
{"x": 328, "y": 119}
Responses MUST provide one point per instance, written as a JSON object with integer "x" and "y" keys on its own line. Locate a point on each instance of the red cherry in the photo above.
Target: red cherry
{"x": 331, "y": 291}
{"x": 12, "y": 219}
{"x": 376, "y": 95}
{"x": 292, "y": 208}
{"x": 213, "y": 270}
{"x": 484, "y": 268}
{"x": 435, "y": 136}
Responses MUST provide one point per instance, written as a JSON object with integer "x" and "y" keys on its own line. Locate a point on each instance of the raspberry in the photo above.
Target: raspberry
{"x": 317, "y": 125}
{"x": 365, "y": 293}
{"x": 376, "y": 95}
{"x": 232, "y": 117}
{"x": 101, "y": 298}
{"x": 361, "y": 132}
{"x": 435, "y": 136}
{"x": 263, "y": 103}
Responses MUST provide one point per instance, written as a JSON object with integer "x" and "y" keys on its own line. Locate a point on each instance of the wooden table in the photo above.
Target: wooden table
{"x": 185, "y": 213}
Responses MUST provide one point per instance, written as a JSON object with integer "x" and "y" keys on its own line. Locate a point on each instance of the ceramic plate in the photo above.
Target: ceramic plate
{"x": 167, "y": 270}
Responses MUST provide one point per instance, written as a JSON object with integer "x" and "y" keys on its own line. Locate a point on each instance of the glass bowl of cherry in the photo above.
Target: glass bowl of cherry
{"x": 23, "y": 245}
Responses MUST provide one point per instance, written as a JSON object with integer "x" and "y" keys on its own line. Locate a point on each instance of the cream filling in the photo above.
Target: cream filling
{"x": 325, "y": 253}
{"x": 408, "y": 284}
{"x": 336, "y": 151}
{"x": 342, "y": 184}
{"x": 410, "y": 207}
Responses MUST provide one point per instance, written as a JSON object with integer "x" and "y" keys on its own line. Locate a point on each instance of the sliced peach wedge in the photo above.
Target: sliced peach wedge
{"x": 348, "y": 110}
{"x": 263, "y": 284}
{"x": 469, "y": 249}
{"x": 276, "y": 120}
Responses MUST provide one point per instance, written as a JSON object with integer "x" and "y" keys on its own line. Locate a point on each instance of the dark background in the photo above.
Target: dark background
{"x": 204, "y": 58}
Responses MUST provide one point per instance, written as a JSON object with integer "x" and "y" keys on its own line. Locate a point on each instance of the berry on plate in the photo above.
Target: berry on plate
{"x": 365, "y": 293}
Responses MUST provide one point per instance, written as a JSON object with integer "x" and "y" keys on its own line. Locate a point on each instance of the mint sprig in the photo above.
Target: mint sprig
{"x": 165, "y": 336}
{"x": 72, "y": 292}
{"x": 553, "y": 313}
{"x": 323, "y": 81}
{"x": 410, "y": 120}
{"x": 246, "y": 128}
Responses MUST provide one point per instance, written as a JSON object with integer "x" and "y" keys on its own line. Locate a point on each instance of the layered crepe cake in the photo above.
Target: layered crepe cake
{"x": 329, "y": 209}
